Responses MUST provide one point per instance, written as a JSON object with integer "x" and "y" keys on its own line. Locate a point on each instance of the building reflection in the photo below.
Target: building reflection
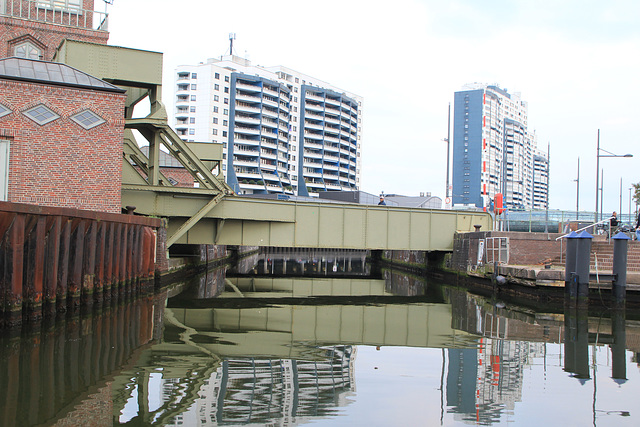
{"x": 279, "y": 350}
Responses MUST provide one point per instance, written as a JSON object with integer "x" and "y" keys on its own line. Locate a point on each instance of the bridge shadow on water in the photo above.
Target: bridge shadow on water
{"x": 275, "y": 340}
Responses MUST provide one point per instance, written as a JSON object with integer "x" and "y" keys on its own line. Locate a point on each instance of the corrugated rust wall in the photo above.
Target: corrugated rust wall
{"x": 55, "y": 259}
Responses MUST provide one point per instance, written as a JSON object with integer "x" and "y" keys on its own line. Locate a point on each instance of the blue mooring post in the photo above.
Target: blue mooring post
{"x": 583, "y": 259}
{"x": 619, "y": 285}
{"x": 570, "y": 284}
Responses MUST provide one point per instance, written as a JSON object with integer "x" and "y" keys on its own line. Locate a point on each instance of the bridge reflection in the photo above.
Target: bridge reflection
{"x": 286, "y": 352}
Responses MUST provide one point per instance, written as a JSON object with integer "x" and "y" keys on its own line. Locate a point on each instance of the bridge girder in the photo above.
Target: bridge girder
{"x": 263, "y": 222}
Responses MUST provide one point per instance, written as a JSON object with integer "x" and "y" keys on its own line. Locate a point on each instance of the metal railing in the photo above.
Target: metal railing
{"x": 606, "y": 220}
{"x": 66, "y": 13}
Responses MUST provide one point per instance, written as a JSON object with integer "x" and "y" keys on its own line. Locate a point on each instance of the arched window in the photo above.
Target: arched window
{"x": 27, "y": 50}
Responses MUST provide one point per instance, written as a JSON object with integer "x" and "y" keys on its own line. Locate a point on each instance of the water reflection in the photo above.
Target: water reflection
{"x": 248, "y": 348}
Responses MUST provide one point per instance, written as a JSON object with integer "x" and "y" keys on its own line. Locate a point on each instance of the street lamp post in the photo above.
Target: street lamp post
{"x": 578, "y": 192}
{"x": 598, "y": 155}
{"x": 448, "y": 142}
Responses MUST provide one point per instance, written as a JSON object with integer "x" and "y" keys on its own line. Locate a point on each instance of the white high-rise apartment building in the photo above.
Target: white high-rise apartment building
{"x": 495, "y": 152}
{"x": 282, "y": 131}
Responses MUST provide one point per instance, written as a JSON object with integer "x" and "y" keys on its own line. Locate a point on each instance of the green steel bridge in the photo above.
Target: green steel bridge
{"x": 212, "y": 213}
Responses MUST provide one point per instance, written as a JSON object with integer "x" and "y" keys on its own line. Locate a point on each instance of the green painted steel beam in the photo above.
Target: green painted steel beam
{"x": 265, "y": 222}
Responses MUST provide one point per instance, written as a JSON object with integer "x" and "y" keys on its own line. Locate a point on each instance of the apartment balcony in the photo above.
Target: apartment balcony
{"x": 269, "y": 144}
{"x": 247, "y": 108}
{"x": 309, "y": 144}
{"x": 333, "y": 102}
{"x": 269, "y": 102}
{"x": 246, "y": 119}
{"x": 247, "y": 87}
{"x": 315, "y": 185}
{"x": 247, "y": 174}
{"x": 331, "y": 148}
{"x": 246, "y": 139}
{"x": 329, "y": 166}
{"x": 245, "y": 151}
{"x": 242, "y": 97}
{"x": 270, "y": 91}
{"x": 316, "y": 136}
{"x": 314, "y": 107}
{"x": 246, "y": 130}
{"x": 331, "y": 139}
{"x": 267, "y": 167}
{"x": 331, "y": 120}
{"x": 332, "y": 108}
{"x": 68, "y": 16}
{"x": 310, "y": 96}
{"x": 268, "y": 155}
{"x": 308, "y": 114}
{"x": 283, "y": 138}
{"x": 314, "y": 126}
{"x": 313, "y": 154}
{"x": 270, "y": 113}
{"x": 332, "y": 186}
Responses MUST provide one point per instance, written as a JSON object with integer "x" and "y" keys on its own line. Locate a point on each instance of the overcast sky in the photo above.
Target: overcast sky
{"x": 576, "y": 62}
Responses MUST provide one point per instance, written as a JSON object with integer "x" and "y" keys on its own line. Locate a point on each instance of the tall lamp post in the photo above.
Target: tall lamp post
{"x": 598, "y": 155}
{"x": 448, "y": 142}
{"x": 577, "y": 180}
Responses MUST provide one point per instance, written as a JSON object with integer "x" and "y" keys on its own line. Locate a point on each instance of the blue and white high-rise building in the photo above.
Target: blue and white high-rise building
{"x": 494, "y": 151}
{"x": 282, "y": 131}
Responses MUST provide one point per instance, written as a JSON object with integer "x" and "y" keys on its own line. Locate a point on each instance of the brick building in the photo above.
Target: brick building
{"x": 35, "y": 28}
{"x": 62, "y": 130}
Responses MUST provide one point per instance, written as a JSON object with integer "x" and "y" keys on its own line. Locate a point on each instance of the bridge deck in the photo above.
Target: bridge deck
{"x": 261, "y": 222}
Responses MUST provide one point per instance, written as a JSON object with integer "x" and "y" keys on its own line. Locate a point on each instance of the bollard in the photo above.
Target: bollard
{"x": 570, "y": 263}
{"x": 619, "y": 285}
{"x": 583, "y": 258}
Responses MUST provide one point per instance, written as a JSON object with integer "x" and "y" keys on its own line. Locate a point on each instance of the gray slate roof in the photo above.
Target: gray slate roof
{"x": 52, "y": 73}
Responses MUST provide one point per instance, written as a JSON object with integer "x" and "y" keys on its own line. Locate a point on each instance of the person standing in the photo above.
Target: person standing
{"x": 638, "y": 225}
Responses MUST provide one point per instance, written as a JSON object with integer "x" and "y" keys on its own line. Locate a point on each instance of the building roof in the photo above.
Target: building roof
{"x": 165, "y": 160}
{"x": 51, "y": 73}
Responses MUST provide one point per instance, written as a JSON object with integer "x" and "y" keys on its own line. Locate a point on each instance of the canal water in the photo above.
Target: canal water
{"x": 321, "y": 338}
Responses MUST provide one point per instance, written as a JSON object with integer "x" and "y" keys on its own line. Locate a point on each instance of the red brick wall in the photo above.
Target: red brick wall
{"x": 46, "y": 35}
{"x": 61, "y": 163}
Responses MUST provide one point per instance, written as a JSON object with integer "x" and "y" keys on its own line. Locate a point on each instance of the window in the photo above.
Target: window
{"x": 225, "y": 123}
{"x": 193, "y": 97}
{"x": 215, "y": 131}
{"x": 215, "y": 120}
{"x": 297, "y": 80}
{"x": 192, "y": 131}
{"x": 192, "y": 109}
{"x": 226, "y": 112}
{"x": 192, "y": 120}
{"x": 193, "y": 87}
{"x": 87, "y": 119}
{"x": 226, "y": 79}
{"x": 41, "y": 114}
{"x": 4, "y": 110}
{"x": 224, "y": 133}
{"x": 64, "y": 5}
{"x": 4, "y": 169}
{"x": 215, "y": 109}
{"x": 27, "y": 50}
{"x": 226, "y": 100}
{"x": 216, "y": 86}
{"x": 218, "y": 76}
{"x": 216, "y": 98}
{"x": 226, "y": 89}
{"x": 194, "y": 75}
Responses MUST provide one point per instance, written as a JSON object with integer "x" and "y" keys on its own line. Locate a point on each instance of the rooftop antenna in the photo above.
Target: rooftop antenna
{"x": 232, "y": 37}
